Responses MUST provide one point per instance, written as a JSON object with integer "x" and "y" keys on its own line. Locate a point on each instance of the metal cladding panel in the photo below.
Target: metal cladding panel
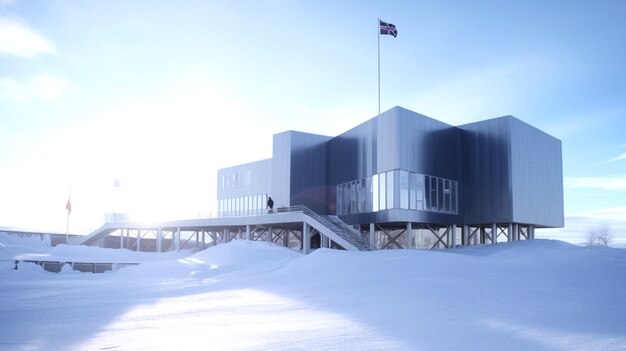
{"x": 486, "y": 184}
{"x": 309, "y": 181}
{"x": 260, "y": 173}
{"x": 537, "y": 176}
{"x": 401, "y": 216}
{"x": 427, "y": 146}
{"x": 397, "y": 139}
{"x": 352, "y": 155}
{"x": 512, "y": 173}
{"x": 281, "y": 169}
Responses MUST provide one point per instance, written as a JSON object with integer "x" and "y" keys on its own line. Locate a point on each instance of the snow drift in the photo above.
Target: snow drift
{"x": 530, "y": 295}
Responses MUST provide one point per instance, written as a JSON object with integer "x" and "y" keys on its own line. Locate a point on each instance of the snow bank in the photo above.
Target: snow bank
{"x": 533, "y": 295}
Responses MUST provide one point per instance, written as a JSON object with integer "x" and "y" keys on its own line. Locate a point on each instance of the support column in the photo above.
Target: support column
{"x": 494, "y": 233}
{"x": 409, "y": 235}
{"x": 138, "y": 240}
{"x": 453, "y": 236}
{"x": 203, "y": 239}
{"x": 515, "y": 232}
{"x": 286, "y": 238}
{"x": 121, "y": 238}
{"x": 177, "y": 242}
{"x": 226, "y": 236}
{"x": 238, "y": 233}
{"x": 531, "y": 232}
{"x": 159, "y": 238}
{"x": 372, "y": 235}
{"x": 306, "y": 240}
{"x": 269, "y": 234}
{"x": 464, "y": 235}
{"x": 248, "y": 232}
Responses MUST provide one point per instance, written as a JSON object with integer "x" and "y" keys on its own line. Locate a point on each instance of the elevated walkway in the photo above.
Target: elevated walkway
{"x": 284, "y": 225}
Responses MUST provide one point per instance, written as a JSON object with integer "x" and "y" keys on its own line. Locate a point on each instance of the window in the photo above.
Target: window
{"x": 248, "y": 177}
{"x": 397, "y": 189}
{"x": 390, "y": 190}
{"x": 375, "y": 192}
{"x": 404, "y": 189}
{"x": 419, "y": 196}
{"x": 440, "y": 195}
{"x": 383, "y": 191}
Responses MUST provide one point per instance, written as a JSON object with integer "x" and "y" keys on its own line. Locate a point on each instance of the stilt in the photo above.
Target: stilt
{"x": 453, "y": 236}
{"x": 159, "y": 240}
{"x": 306, "y": 239}
{"x": 464, "y": 235}
{"x": 138, "y": 240}
{"x": 409, "y": 235}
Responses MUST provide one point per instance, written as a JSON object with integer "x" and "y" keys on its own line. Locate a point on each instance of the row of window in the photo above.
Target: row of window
{"x": 242, "y": 205}
{"x": 398, "y": 189}
{"x": 236, "y": 179}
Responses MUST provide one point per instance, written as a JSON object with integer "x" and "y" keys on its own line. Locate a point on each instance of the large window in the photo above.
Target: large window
{"x": 404, "y": 189}
{"x": 398, "y": 189}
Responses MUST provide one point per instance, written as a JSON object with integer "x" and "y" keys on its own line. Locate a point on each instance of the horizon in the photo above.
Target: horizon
{"x": 156, "y": 97}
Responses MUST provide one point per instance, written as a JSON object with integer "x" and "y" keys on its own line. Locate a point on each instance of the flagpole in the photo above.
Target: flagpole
{"x": 67, "y": 227}
{"x": 378, "y": 31}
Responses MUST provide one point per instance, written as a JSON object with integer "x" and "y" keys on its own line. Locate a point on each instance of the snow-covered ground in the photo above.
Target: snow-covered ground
{"x": 535, "y": 295}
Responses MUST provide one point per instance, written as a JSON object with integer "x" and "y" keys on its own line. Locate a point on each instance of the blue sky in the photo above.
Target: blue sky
{"x": 161, "y": 94}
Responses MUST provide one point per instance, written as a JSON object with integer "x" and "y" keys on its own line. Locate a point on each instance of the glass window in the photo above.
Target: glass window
{"x": 440, "y": 194}
{"x": 433, "y": 194}
{"x": 427, "y": 192}
{"x": 453, "y": 197}
{"x": 404, "y": 189}
{"x": 390, "y": 190}
{"x": 353, "y": 197}
{"x": 339, "y": 200}
{"x": 382, "y": 193}
{"x": 413, "y": 191}
{"x": 248, "y": 177}
{"x": 368, "y": 200}
{"x": 345, "y": 198}
{"x": 375, "y": 192}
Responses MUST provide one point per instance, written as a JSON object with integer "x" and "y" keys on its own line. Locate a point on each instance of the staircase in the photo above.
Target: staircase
{"x": 340, "y": 229}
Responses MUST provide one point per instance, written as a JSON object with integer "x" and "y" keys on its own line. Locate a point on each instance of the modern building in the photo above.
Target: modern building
{"x": 405, "y": 180}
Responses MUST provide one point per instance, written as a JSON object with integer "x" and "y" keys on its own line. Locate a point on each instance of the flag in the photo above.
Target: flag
{"x": 388, "y": 28}
{"x": 68, "y": 206}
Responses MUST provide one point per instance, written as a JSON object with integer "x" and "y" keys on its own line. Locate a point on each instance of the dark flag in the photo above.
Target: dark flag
{"x": 388, "y": 29}
{"x": 68, "y": 206}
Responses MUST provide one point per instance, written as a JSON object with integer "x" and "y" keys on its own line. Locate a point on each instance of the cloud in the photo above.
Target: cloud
{"x": 602, "y": 183}
{"x": 618, "y": 158}
{"x": 20, "y": 40}
{"x": 45, "y": 86}
{"x": 7, "y": 2}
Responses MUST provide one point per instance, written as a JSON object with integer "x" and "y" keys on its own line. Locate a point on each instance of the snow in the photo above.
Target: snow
{"x": 529, "y": 295}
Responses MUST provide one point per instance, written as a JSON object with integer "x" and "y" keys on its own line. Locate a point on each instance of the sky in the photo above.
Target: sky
{"x": 158, "y": 95}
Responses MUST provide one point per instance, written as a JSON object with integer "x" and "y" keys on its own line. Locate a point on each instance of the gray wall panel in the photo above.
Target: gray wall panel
{"x": 537, "y": 176}
{"x": 281, "y": 169}
{"x": 309, "y": 180}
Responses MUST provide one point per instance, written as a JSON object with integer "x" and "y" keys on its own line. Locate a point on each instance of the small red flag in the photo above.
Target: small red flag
{"x": 68, "y": 206}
